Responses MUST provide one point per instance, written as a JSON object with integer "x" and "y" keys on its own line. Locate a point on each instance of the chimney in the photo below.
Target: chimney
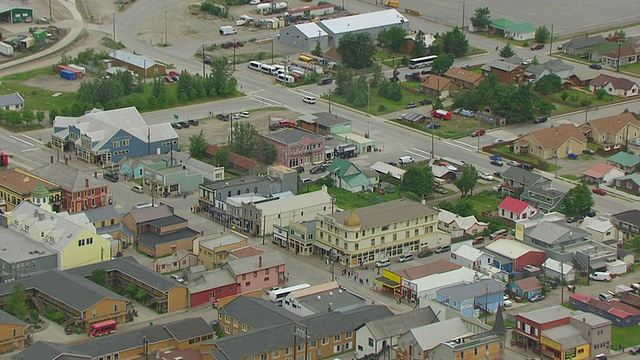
{"x": 51, "y": 158}
{"x": 260, "y": 262}
{"x": 66, "y": 160}
{"x": 86, "y": 181}
{"x": 95, "y": 174}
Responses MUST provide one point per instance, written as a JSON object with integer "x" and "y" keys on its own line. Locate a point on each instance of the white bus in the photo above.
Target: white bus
{"x": 267, "y": 69}
{"x": 285, "y": 78}
{"x": 422, "y": 61}
{"x": 277, "y": 295}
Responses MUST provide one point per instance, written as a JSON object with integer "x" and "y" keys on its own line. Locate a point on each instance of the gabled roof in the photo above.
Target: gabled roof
{"x": 635, "y": 177}
{"x": 501, "y": 24}
{"x": 549, "y": 314}
{"x": 552, "y": 66}
{"x": 583, "y": 42}
{"x": 525, "y": 27}
{"x": 101, "y": 214}
{"x": 311, "y": 30}
{"x": 385, "y": 213}
{"x": 238, "y": 160}
{"x": 418, "y": 272}
{"x": 151, "y": 213}
{"x": 68, "y": 177}
{"x": 599, "y": 170}
{"x": 617, "y": 82}
{"x": 11, "y": 99}
{"x": 255, "y": 263}
{"x": 465, "y": 222}
{"x": 556, "y": 136}
{"x": 364, "y": 21}
{"x": 585, "y": 74}
{"x": 6, "y": 318}
{"x": 629, "y": 216}
{"x": 513, "y": 205}
{"x": 140, "y": 61}
{"x": 555, "y": 265}
{"x": 613, "y": 124}
{"x": 397, "y": 325}
{"x": 432, "y": 335}
{"x": 468, "y": 291}
{"x": 625, "y": 159}
{"x": 435, "y": 82}
{"x": 625, "y": 51}
{"x": 467, "y": 252}
{"x": 340, "y": 166}
{"x": 464, "y": 75}
{"x": 511, "y": 249}
{"x": 631, "y": 299}
{"x": 528, "y": 178}
{"x": 552, "y": 232}
{"x": 506, "y": 66}
{"x": 292, "y": 136}
{"x": 528, "y": 284}
{"x": 22, "y": 181}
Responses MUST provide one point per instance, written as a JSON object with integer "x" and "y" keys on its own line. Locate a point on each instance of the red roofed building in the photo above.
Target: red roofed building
{"x": 602, "y": 173}
{"x": 514, "y": 209}
{"x": 631, "y": 299}
{"x": 627, "y": 55}
{"x": 619, "y": 313}
{"x": 526, "y": 288}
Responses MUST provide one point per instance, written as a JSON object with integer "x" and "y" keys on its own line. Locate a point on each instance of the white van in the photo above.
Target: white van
{"x": 267, "y": 69}
{"x": 309, "y": 99}
{"x": 600, "y": 276}
{"x": 495, "y": 234}
{"x": 285, "y": 78}
{"x": 405, "y": 160}
{"x": 254, "y": 65}
{"x": 227, "y": 30}
{"x": 142, "y": 206}
{"x": 279, "y": 68}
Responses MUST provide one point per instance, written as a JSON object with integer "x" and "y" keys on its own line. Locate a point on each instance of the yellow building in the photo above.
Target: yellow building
{"x": 564, "y": 342}
{"x": 72, "y": 237}
{"x": 12, "y": 335}
{"x": 381, "y": 231}
{"x": 17, "y": 185}
{"x": 213, "y": 251}
{"x": 545, "y": 143}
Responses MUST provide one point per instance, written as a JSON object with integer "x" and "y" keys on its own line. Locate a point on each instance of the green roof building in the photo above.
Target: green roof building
{"x": 12, "y": 14}
{"x": 625, "y": 161}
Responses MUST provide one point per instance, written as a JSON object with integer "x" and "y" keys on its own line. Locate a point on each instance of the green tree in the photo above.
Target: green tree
{"x": 548, "y": 84}
{"x": 437, "y": 104}
{"x": 633, "y": 244}
{"x": 455, "y": 42}
{"x": 222, "y": 156}
{"x": 442, "y": 63}
{"x": 40, "y": 116}
{"x": 159, "y": 91}
{"x": 53, "y": 113}
{"x": 507, "y": 51}
{"x": 16, "y": 303}
{"x": 99, "y": 276}
{"x": 464, "y": 207}
{"x": 565, "y": 95}
{"x": 357, "y": 50}
{"x": 378, "y": 74}
{"x": 392, "y": 38}
{"x": 578, "y": 200}
{"x": 481, "y": 18}
{"x": 600, "y": 93}
{"x": 418, "y": 180}
{"x": 542, "y": 34}
{"x": 197, "y": 144}
{"x": 621, "y": 33}
{"x": 140, "y": 295}
{"x": 317, "y": 51}
{"x": 267, "y": 152}
{"x": 467, "y": 182}
{"x": 419, "y": 45}
{"x": 28, "y": 117}
{"x": 245, "y": 140}
{"x": 221, "y": 81}
{"x": 132, "y": 289}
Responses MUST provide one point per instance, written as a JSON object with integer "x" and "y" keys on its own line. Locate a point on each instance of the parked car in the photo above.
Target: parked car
{"x": 111, "y": 177}
{"x": 392, "y": 163}
{"x": 507, "y": 303}
{"x": 588, "y": 152}
{"x": 536, "y": 298}
{"x": 495, "y": 234}
{"x": 383, "y": 263}
{"x": 598, "y": 191}
{"x": 448, "y": 165}
{"x": 405, "y": 258}
{"x": 306, "y": 181}
{"x": 526, "y": 166}
{"x": 479, "y": 132}
{"x": 635, "y": 142}
{"x": 605, "y": 297}
{"x": 478, "y": 240}
{"x": 443, "y": 248}
{"x": 497, "y": 163}
{"x": 138, "y": 189}
{"x": 573, "y": 156}
{"x": 495, "y": 157}
{"x": 317, "y": 169}
{"x": 177, "y": 278}
{"x": 595, "y": 66}
{"x": 410, "y": 105}
{"x": 540, "y": 120}
{"x": 175, "y": 77}
{"x": 527, "y": 62}
{"x": 401, "y": 116}
{"x": 498, "y": 174}
{"x": 184, "y": 124}
{"x": 300, "y": 169}
{"x": 174, "y": 73}
{"x": 168, "y": 80}
{"x": 440, "y": 190}
{"x": 433, "y": 125}
{"x": 574, "y": 218}
{"x": 245, "y": 114}
{"x": 513, "y": 163}
{"x": 194, "y": 122}
{"x": 537, "y": 47}
{"x": 497, "y": 141}
{"x": 176, "y": 125}
{"x": 589, "y": 213}
{"x": 425, "y": 253}
{"x": 467, "y": 113}
{"x": 426, "y": 102}
{"x": 600, "y": 276}
{"x": 486, "y": 176}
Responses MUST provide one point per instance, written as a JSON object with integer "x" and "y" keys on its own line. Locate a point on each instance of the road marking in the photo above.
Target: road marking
{"x": 30, "y": 138}
{"x": 422, "y": 151}
{"x": 302, "y": 92}
{"x": 255, "y": 91}
{"x": 458, "y": 146}
{"x": 265, "y": 101}
{"x": 418, "y": 154}
{"x": 465, "y": 144}
{"x": 33, "y": 149}
{"x": 22, "y": 141}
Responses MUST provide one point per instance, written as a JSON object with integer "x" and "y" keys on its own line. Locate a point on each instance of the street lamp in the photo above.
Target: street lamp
{"x": 330, "y": 92}
{"x": 586, "y": 113}
{"x": 619, "y": 43}
{"x": 368, "y": 97}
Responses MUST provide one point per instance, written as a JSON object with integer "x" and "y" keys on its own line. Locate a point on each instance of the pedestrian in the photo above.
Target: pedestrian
{"x": 367, "y": 281}
{"x": 355, "y": 278}
{"x": 398, "y": 301}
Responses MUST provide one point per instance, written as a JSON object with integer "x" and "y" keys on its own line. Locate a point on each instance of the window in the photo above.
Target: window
{"x": 348, "y": 335}
{"x": 336, "y": 338}
{"x": 370, "y": 342}
{"x": 313, "y": 344}
{"x": 325, "y": 341}
{"x": 276, "y": 353}
{"x": 287, "y": 351}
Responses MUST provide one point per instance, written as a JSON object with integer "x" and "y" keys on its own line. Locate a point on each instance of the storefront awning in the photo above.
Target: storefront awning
{"x": 387, "y": 282}
{"x": 322, "y": 246}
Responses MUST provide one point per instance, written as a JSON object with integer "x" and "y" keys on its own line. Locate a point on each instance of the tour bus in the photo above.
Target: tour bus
{"x": 267, "y": 69}
{"x": 103, "y": 328}
{"x": 422, "y": 61}
{"x": 254, "y": 65}
{"x": 277, "y": 295}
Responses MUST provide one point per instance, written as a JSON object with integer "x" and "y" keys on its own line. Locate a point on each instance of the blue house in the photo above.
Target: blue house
{"x": 133, "y": 168}
{"x": 486, "y": 295}
{"x": 526, "y": 288}
{"x": 105, "y": 137}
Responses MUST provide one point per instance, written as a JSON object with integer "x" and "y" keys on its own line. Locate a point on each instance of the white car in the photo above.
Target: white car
{"x": 177, "y": 278}
{"x": 486, "y": 176}
{"x": 497, "y": 141}
{"x": 245, "y": 114}
{"x": 507, "y": 303}
{"x": 513, "y": 163}
{"x": 254, "y": 2}
{"x": 527, "y": 62}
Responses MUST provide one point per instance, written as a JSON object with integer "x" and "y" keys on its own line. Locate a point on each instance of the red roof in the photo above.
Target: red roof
{"x": 631, "y": 299}
{"x": 438, "y": 267}
{"x": 237, "y": 160}
{"x": 599, "y": 170}
{"x": 528, "y": 284}
{"x": 513, "y": 205}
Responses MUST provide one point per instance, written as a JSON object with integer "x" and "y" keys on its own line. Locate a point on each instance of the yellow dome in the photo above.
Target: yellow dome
{"x": 352, "y": 220}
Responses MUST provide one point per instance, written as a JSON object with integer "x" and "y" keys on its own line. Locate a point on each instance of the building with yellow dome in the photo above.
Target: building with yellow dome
{"x": 382, "y": 231}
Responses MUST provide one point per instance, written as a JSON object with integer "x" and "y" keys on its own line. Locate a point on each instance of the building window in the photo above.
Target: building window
{"x": 370, "y": 342}
{"x": 325, "y": 341}
{"x": 313, "y": 344}
{"x": 336, "y": 338}
{"x": 276, "y": 353}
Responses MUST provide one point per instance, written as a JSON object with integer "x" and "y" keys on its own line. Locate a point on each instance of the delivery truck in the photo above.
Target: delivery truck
{"x": 6, "y": 49}
{"x": 227, "y": 30}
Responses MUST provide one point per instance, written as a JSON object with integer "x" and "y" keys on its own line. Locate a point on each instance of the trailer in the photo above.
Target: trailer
{"x": 68, "y": 75}
{"x": 6, "y": 49}
{"x": 80, "y": 68}
{"x": 346, "y": 151}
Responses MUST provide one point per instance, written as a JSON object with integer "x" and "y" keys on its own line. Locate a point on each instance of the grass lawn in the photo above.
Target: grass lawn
{"x": 475, "y": 51}
{"x": 570, "y": 177}
{"x": 348, "y": 200}
{"x": 379, "y": 105}
{"x": 632, "y": 68}
{"x": 457, "y": 127}
{"x": 485, "y": 201}
{"x": 411, "y": 84}
{"x": 547, "y": 166}
{"x": 625, "y": 336}
{"x": 582, "y": 95}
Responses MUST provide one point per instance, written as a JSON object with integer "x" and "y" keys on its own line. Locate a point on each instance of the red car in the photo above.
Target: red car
{"x": 599, "y": 191}
{"x": 174, "y": 73}
{"x": 478, "y": 240}
{"x": 477, "y": 133}
{"x": 168, "y": 80}
{"x": 537, "y": 47}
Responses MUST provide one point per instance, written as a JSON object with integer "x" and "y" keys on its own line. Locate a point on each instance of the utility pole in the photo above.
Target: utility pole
{"x": 271, "y": 50}
{"x": 433, "y": 144}
{"x": 203, "y": 58}
{"x": 234, "y": 54}
{"x": 562, "y": 278}
{"x": 166, "y": 34}
{"x": 551, "y": 41}
{"x": 463, "y": 6}
{"x": 330, "y": 101}
{"x": 556, "y": 150}
{"x": 51, "y": 18}
{"x": 114, "y": 24}
{"x": 619, "y": 43}
{"x": 368, "y": 97}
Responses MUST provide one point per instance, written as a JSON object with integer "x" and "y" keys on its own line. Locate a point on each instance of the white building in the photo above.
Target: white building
{"x": 427, "y": 286}
{"x": 601, "y": 229}
{"x": 460, "y": 226}
{"x": 321, "y": 299}
{"x": 552, "y": 270}
{"x": 469, "y": 257}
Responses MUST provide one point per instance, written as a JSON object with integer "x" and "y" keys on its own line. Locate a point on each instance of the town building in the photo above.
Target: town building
{"x": 213, "y": 250}
{"x": 17, "y": 185}
{"x": 164, "y": 180}
{"x": 139, "y": 64}
{"x": 71, "y": 237}
{"x": 515, "y": 179}
{"x": 618, "y": 312}
{"x": 240, "y": 163}
{"x": 460, "y": 226}
{"x": 427, "y": 286}
{"x": 133, "y": 168}
{"x": 419, "y": 342}
{"x": 21, "y": 256}
{"x": 297, "y": 147}
{"x": 629, "y": 183}
{"x": 514, "y": 209}
{"x": 180, "y": 260}
{"x": 299, "y": 237}
{"x": 324, "y": 124}
{"x": 614, "y": 86}
{"x": 467, "y": 347}
{"x": 627, "y": 224}
{"x": 469, "y": 257}
{"x": 12, "y": 333}
{"x": 105, "y": 137}
{"x": 11, "y": 102}
{"x": 600, "y": 229}
{"x": 485, "y": 295}
{"x": 438, "y": 86}
{"x": 208, "y": 171}
{"x": 583, "y": 45}
{"x": 526, "y": 288}
{"x": 464, "y": 78}
{"x": 381, "y": 231}
{"x": 602, "y": 174}
{"x": 245, "y": 314}
{"x": 625, "y": 161}
{"x": 347, "y": 175}
{"x": 258, "y": 272}
{"x": 554, "y": 269}
{"x": 625, "y": 54}
{"x": 79, "y": 191}
{"x": 506, "y": 71}
{"x": 555, "y": 66}
{"x": 545, "y": 199}
{"x": 613, "y": 131}
{"x": 108, "y": 224}
{"x": 321, "y": 299}
{"x": 513, "y": 255}
{"x": 210, "y": 286}
{"x": 547, "y": 143}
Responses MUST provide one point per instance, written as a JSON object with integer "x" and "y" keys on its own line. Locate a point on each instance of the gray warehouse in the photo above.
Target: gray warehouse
{"x": 329, "y": 32}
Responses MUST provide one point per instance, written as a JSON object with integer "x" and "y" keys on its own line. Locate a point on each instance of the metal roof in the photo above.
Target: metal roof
{"x": 11, "y": 99}
{"x": 355, "y": 23}
{"x": 399, "y": 324}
